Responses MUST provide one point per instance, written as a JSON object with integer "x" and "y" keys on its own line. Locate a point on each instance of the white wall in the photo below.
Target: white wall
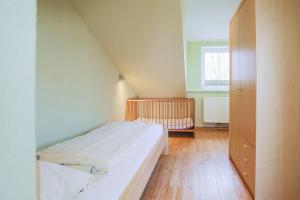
{"x": 77, "y": 85}
{"x": 17, "y": 77}
{"x": 278, "y": 100}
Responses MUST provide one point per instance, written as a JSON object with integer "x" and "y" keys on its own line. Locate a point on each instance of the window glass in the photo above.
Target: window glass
{"x": 215, "y": 69}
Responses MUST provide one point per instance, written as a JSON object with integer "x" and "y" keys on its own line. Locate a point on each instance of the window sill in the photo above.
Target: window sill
{"x": 218, "y": 91}
{"x": 214, "y": 88}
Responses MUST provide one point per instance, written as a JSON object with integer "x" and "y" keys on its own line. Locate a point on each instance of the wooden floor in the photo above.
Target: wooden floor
{"x": 196, "y": 168}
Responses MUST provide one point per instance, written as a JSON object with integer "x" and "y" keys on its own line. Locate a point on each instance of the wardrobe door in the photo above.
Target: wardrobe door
{"x": 248, "y": 70}
{"x": 234, "y": 90}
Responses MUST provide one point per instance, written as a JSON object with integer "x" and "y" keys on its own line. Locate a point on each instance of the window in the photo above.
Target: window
{"x": 214, "y": 69}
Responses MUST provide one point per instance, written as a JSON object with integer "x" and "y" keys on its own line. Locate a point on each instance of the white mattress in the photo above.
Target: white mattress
{"x": 111, "y": 185}
{"x": 175, "y": 124}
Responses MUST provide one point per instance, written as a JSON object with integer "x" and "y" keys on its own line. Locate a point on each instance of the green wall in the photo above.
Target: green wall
{"x": 194, "y": 76}
{"x": 77, "y": 85}
{"x": 17, "y": 117}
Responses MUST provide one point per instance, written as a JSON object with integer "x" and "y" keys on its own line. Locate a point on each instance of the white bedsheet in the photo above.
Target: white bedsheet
{"x": 111, "y": 185}
{"x": 177, "y": 124}
{"x": 103, "y": 148}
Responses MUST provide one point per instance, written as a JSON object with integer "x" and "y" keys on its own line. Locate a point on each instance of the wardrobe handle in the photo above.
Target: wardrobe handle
{"x": 245, "y": 174}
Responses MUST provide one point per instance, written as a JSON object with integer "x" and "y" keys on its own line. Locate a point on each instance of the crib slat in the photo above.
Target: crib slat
{"x": 181, "y": 114}
{"x": 190, "y": 122}
{"x": 185, "y": 111}
{"x": 167, "y": 113}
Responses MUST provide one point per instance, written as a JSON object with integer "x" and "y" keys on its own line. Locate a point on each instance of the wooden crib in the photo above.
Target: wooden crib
{"x": 174, "y": 114}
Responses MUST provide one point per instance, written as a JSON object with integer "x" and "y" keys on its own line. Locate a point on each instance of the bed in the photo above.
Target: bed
{"x": 174, "y": 114}
{"x": 133, "y": 147}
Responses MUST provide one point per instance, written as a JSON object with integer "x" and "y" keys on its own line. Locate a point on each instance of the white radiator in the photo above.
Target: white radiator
{"x": 216, "y": 109}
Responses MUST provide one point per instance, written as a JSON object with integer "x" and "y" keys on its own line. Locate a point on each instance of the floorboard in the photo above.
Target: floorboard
{"x": 198, "y": 169}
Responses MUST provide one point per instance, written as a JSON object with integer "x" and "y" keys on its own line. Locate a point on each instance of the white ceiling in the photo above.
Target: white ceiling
{"x": 144, "y": 39}
{"x": 208, "y": 19}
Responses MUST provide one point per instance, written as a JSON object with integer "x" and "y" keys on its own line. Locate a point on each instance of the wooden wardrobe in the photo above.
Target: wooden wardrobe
{"x": 243, "y": 92}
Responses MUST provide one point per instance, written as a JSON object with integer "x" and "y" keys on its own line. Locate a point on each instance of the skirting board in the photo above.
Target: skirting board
{"x": 215, "y": 125}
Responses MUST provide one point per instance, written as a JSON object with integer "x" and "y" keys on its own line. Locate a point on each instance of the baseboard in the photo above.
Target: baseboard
{"x": 215, "y": 125}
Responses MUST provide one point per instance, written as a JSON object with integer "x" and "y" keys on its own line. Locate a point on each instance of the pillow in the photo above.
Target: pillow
{"x": 62, "y": 183}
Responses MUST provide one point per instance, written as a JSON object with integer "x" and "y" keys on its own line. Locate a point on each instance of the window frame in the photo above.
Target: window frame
{"x": 212, "y": 49}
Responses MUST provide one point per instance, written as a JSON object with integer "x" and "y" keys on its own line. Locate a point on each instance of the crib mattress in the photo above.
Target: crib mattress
{"x": 172, "y": 124}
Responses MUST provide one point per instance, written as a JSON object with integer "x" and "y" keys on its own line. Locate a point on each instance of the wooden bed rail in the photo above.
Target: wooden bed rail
{"x": 175, "y": 114}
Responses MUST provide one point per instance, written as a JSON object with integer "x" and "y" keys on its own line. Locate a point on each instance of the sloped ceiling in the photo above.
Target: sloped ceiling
{"x": 144, "y": 39}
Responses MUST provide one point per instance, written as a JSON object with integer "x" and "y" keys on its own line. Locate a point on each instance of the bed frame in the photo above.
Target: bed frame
{"x": 163, "y": 111}
{"x": 137, "y": 185}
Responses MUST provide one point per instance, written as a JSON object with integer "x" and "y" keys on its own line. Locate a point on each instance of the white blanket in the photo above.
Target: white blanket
{"x": 101, "y": 149}
{"x": 61, "y": 183}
